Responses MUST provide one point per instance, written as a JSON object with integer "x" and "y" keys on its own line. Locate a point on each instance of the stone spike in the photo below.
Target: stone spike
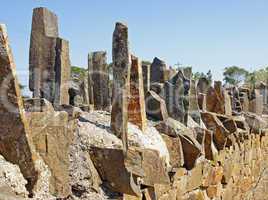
{"x": 15, "y": 143}
{"x": 136, "y": 106}
{"x": 121, "y": 76}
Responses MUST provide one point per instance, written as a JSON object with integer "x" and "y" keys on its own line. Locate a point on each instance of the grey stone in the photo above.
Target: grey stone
{"x": 99, "y": 80}
{"x": 49, "y": 62}
{"x": 121, "y": 77}
{"x": 157, "y": 74}
{"x": 146, "y": 76}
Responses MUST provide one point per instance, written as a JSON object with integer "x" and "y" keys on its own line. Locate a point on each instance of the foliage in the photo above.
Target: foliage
{"x": 198, "y": 75}
{"x": 22, "y": 87}
{"x": 235, "y": 75}
{"x": 145, "y": 62}
{"x": 81, "y": 72}
{"x": 257, "y": 76}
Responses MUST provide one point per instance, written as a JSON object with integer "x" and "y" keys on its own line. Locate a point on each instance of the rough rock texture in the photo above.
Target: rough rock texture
{"x": 157, "y": 71}
{"x": 63, "y": 72}
{"x": 85, "y": 181}
{"x": 193, "y": 103}
{"x": 256, "y": 104}
{"x": 49, "y": 62}
{"x": 136, "y": 104}
{"x": 176, "y": 92}
{"x": 146, "y": 77}
{"x": 155, "y": 106}
{"x": 99, "y": 80}
{"x": 11, "y": 177}
{"x": 121, "y": 76}
{"x": 220, "y": 132}
{"x": 42, "y": 53}
{"x": 15, "y": 143}
{"x": 79, "y": 89}
{"x": 52, "y": 135}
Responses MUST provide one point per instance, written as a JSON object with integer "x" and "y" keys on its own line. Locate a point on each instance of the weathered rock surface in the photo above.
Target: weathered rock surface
{"x": 121, "y": 76}
{"x": 176, "y": 92}
{"x": 155, "y": 106}
{"x": 15, "y": 142}
{"x": 99, "y": 80}
{"x": 217, "y": 153}
{"x": 146, "y": 76}
{"x": 49, "y": 62}
{"x": 136, "y": 104}
{"x": 52, "y": 134}
{"x": 157, "y": 71}
{"x": 79, "y": 89}
{"x": 63, "y": 72}
{"x": 11, "y": 177}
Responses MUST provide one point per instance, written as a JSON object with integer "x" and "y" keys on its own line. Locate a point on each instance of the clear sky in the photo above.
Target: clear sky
{"x": 207, "y": 34}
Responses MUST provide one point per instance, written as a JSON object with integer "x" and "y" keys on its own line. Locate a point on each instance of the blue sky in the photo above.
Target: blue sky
{"x": 205, "y": 34}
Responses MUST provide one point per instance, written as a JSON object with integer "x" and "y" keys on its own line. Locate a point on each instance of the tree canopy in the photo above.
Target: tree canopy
{"x": 198, "y": 75}
{"x": 235, "y": 75}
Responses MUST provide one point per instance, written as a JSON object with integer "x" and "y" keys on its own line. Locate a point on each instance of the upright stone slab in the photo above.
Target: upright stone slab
{"x": 42, "y": 53}
{"x": 49, "y": 63}
{"x": 99, "y": 79}
{"x": 146, "y": 76}
{"x": 215, "y": 102}
{"x": 15, "y": 142}
{"x": 227, "y": 103}
{"x": 256, "y": 104}
{"x": 63, "y": 72}
{"x": 176, "y": 92}
{"x": 121, "y": 75}
{"x": 187, "y": 72}
{"x": 193, "y": 103}
{"x": 136, "y": 105}
{"x": 202, "y": 86}
{"x": 157, "y": 71}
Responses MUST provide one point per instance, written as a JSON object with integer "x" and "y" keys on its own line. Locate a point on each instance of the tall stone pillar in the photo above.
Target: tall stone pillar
{"x": 49, "y": 63}
{"x": 63, "y": 72}
{"x": 42, "y": 53}
{"x": 121, "y": 75}
{"x": 15, "y": 142}
{"x": 146, "y": 77}
{"x": 136, "y": 105}
{"x": 194, "y": 111}
{"x": 99, "y": 80}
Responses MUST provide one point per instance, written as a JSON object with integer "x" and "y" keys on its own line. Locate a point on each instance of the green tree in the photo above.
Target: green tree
{"x": 198, "y": 75}
{"x": 235, "y": 75}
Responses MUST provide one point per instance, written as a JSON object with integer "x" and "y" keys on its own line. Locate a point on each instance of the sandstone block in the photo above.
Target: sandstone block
{"x": 111, "y": 167}
{"x": 136, "y": 104}
{"x": 52, "y": 135}
{"x": 175, "y": 151}
{"x": 49, "y": 62}
{"x": 220, "y": 133}
{"x": 15, "y": 144}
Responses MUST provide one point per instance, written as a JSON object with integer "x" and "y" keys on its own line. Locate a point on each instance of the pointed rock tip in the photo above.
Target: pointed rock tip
{"x": 121, "y": 25}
